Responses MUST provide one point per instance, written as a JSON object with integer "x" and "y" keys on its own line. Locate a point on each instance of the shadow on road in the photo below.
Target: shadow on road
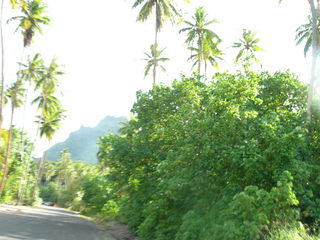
{"x": 58, "y": 210}
{"x": 48, "y": 224}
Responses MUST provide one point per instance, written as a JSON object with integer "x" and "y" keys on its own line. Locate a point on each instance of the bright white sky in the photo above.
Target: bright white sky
{"x": 101, "y": 46}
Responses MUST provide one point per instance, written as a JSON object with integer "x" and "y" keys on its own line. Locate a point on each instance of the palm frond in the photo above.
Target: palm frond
{"x": 307, "y": 46}
{"x": 137, "y": 3}
{"x": 147, "y": 69}
{"x": 240, "y": 54}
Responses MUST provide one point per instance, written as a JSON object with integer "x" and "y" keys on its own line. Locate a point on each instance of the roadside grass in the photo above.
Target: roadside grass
{"x": 115, "y": 226}
{"x": 291, "y": 233}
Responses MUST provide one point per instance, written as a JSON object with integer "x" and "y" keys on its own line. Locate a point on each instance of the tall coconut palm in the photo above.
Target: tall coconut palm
{"x": 30, "y": 72}
{"x": 49, "y": 124}
{"x": 51, "y": 113}
{"x": 248, "y": 46}
{"x": 164, "y": 9}
{"x": 46, "y": 82}
{"x": 315, "y": 13}
{"x": 14, "y": 4}
{"x": 31, "y": 20}
{"x": 15, "y": 93}
{"x": 200, "y": 39}
{"x": 150, "y": 59}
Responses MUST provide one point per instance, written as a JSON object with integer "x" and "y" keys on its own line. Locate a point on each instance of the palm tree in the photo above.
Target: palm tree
{"x": 198, "y": 34}
{"x": 14, "y": 4}
{"x": 150, "y": 59}
{"x": 50, "y": 107}
{"x": 31, "y": 20}
{"x": 304, "y": 33}
{"x": 248, "y": 46}
{"x": 47, "y": 83}
{"x": 163, "y": 9}
{"x": 49, "y": 77}
{"x": 49, "y": 124}
{"x": 15, "y": 93}
{"x": 33, "y": 70}
{"x": 30, "y": 72}
{"x": 51, "y": 114}
{"x": 209, "y": 54}
{"x": 315, "y": 13}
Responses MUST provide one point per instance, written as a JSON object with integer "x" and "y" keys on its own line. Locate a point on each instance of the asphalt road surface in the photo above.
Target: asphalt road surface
{"x": 46, "y": 223}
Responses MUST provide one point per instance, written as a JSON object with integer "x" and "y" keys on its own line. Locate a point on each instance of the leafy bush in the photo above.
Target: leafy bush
{"x": 226, "y": 159}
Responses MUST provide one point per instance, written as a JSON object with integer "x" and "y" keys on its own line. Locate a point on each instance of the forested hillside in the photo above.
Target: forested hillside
{"x": 82, "y": 144}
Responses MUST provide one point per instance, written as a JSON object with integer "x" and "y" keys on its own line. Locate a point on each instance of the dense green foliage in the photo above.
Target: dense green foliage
{"x": 82, "y": 144}
{"x": 225, "y": 159}
{"x": 62, "y": 180}
{"x": 21, "y": 177}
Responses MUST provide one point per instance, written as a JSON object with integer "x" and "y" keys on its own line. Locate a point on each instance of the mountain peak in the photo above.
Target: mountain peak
{"x": 82, "y": 144}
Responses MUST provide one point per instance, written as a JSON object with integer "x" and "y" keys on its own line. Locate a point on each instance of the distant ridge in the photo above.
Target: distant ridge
{"x": 82, "y": 144}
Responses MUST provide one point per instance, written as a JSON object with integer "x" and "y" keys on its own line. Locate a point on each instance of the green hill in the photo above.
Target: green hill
{"x": 82, "y": 144}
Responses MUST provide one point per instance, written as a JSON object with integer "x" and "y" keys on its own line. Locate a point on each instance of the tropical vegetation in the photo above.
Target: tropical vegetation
{"x": 229, "y": 156}
{"x": 163, "y": 9}
{"x": 201, "y": 40}
{"x": 150, "y": 59}
{"x": 17, "y": 165}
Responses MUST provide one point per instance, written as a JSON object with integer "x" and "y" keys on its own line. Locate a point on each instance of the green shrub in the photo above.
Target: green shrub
{"x": 222, "y": 159}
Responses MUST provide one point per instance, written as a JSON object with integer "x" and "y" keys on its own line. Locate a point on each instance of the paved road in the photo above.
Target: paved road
{"x": 47, "y": 223}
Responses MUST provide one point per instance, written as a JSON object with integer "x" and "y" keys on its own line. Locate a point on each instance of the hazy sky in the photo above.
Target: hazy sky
{"x": 101, "y": 47}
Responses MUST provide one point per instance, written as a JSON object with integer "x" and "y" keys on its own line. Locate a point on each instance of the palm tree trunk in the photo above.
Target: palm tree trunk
{"x": 315, "y": 54}
{"x": 311, "y": 87}
{"x": 2, "y": 67}
{"x": 199, "y": 54}
{"x": 8, "y": 152}
{"x": 155, "y": 47}
{"x": 205, "y": 68}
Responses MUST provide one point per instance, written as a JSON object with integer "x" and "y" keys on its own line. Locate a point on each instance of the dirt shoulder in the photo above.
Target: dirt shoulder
{"x": 118, "y": 230}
